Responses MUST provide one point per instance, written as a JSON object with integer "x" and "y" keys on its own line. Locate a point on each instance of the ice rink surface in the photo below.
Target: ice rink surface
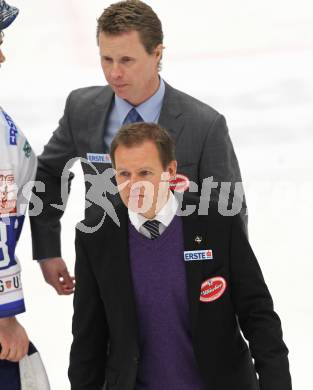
{"x": 253, "y": 62}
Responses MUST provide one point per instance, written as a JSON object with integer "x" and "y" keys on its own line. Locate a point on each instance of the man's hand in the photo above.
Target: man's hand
{"x": 13, "y": 340}
{"x": 56, "y": 274}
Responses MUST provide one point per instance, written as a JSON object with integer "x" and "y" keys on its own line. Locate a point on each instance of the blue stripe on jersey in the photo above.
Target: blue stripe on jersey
{"x": 12, "y": 309}
{"x": 13, "y": 227}
{"x": 13, "y": 131}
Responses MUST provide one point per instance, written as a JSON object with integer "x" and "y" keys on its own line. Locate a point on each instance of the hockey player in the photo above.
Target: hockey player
{"x": 17, "y": 167}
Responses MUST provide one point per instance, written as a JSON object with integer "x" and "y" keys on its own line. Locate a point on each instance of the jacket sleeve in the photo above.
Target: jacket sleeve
{"x": 45, "y": 221}
{"x": 17, "y": 169}
{"x": 89, "y": 328}
{"x": 218, "y": 159}
{"x": 260, "y": 324}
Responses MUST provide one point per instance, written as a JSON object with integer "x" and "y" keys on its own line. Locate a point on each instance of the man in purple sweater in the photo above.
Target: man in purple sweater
{"x": 161, "y": 299}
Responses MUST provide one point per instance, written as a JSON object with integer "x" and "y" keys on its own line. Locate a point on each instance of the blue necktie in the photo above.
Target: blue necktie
{"x": 132, "y": 117}
{"x": 153, "y": 228}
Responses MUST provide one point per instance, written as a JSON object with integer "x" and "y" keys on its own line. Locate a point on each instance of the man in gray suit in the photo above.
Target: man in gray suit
{"x": 130, "y": 42}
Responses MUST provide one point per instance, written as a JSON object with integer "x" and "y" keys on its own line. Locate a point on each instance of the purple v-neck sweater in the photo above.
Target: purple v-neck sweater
{"x": 167, "y": 360}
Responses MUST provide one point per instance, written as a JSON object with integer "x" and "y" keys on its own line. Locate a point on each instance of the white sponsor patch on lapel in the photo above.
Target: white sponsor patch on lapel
{"x": 99, "y": 158}
{"x": 206, "y": 254}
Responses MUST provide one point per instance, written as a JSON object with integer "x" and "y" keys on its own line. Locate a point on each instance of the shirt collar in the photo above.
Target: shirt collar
{"x": 165, "y": 215}
{"x": 149, "y": 110}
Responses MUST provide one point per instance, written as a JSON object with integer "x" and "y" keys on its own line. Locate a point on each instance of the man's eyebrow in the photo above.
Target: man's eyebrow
{"x": 146, "y": 168}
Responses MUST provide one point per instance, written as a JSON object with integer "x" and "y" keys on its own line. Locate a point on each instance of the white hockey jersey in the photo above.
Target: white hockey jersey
{"x": 18, "y": 166}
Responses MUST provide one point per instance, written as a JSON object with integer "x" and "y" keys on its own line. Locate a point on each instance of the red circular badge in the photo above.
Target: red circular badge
{"x": 180, "y": 183}
{"x": 212, "y": 289}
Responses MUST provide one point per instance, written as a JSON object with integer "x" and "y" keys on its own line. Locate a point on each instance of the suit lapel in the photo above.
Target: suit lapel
{"x": 98, "y": 117}
{"x": 194, "y": 269}
{"x": 171, "y": 116}
{"x": 120, "y": 269}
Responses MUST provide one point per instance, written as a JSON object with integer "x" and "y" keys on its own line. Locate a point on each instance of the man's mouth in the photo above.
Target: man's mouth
{"x": 119, "y": 86}
{"x": 132, "y": 196}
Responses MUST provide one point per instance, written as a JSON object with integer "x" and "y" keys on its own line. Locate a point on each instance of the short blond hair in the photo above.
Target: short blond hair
{"x": 132, "y": 15}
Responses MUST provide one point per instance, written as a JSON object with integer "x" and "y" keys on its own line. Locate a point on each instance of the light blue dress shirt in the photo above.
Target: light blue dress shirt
{"x": 149, "y": 111}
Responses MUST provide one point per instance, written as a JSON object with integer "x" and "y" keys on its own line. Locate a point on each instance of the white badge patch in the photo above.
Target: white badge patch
{"x": 99, "y": 158}
{"x": 10, "y": 284}
{"x": 206, "y": 254}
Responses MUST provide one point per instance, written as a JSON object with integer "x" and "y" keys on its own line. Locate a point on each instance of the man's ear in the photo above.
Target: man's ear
{"x": 172, "y": 169}
{"x": 159, "y": 52}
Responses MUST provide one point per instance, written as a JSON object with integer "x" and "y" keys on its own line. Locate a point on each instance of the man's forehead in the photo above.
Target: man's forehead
{"x": 128, "y": 34}
{"x": 142, "y": 146}
{"x": 123, "y": 42}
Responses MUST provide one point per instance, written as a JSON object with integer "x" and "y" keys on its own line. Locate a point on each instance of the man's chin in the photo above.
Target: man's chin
{"x": 120, "y": 91}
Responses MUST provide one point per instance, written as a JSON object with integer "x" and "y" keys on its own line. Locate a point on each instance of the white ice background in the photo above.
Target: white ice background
{"x": 253, "y": 62}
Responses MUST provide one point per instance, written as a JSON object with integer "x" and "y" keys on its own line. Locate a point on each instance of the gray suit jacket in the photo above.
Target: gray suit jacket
{"x": 203, "y": 149}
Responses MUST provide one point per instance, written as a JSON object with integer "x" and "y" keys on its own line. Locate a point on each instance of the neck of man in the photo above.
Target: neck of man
{"x": 154, "y": 86}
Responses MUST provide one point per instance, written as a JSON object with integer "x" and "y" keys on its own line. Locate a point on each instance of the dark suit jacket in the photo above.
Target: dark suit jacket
{"x": 105, "y": 345}
{"x": 203, "y": 149}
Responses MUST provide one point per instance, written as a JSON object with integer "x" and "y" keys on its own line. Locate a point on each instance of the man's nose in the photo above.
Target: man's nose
{"x": 116, "y": 71}
{"x": 135, "y": 184}
{"x": 132, "y": 181}
{"x": 2, "y": 57}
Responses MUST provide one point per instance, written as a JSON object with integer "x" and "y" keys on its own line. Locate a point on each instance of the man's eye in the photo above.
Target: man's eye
{"x": 123, "y": 174}
{"x": 126, "y": 60}
{"x": 145, "y": 173}
{"x": 106, "y": 59}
